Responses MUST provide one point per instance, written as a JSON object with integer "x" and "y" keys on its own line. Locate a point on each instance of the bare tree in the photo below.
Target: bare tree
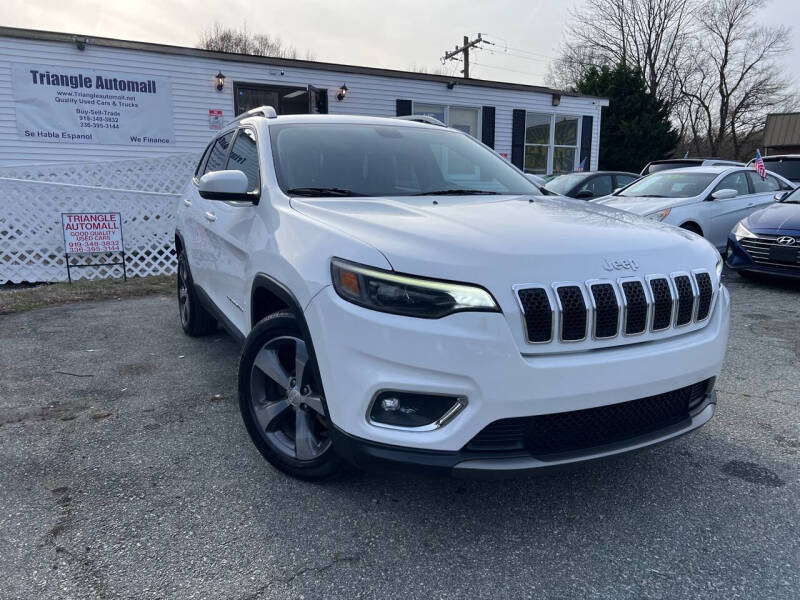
{"x": 240, "y": 41}
{"x": 709, "y": 59}
{"x": 647, "y": 34}
{"x": 734, "y": 80}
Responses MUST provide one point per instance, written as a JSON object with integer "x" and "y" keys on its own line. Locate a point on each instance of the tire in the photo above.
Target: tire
{"x": 195, "y": 319}
{"x": 277, "y": 409}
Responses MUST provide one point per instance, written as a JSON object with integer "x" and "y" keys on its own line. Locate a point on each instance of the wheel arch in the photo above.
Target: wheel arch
{"x": 272, "y": 291}
{"x": 693, "y": 226}
{"x": 179, "y": 245}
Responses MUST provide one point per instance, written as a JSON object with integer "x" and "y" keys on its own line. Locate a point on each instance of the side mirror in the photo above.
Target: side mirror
{"x": 225, "y": 185}
{"x": 780, "y": 196}
{"x": 724, "y": 194}
{"x": 584, "y": 195}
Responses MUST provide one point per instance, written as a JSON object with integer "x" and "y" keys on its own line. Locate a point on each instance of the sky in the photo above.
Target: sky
{"x": 411, "y": 35}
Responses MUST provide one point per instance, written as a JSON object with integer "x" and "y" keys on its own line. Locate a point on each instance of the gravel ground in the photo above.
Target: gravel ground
{"x": 126, "y": 473}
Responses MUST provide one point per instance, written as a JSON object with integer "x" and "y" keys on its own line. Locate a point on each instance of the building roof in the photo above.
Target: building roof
{"x": 54, "y": 36}
{"x": 782, "y": 129}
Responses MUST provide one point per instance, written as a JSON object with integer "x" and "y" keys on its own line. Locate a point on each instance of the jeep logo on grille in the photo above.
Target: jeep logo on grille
{"x": 786, "y": 240}
{"x": 620, "y": 265}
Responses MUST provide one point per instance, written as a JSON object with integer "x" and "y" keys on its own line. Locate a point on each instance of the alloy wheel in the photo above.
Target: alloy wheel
{"x": 284, "y": 401}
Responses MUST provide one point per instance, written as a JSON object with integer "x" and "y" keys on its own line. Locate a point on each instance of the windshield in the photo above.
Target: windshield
{"x": 564, "y": 183}
{"x": 670, "y": 184}
{"x": 786, "y": 167}
{"x": 331, "y": 159}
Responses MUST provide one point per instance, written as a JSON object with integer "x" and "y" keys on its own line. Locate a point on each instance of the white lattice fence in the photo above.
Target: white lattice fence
{"x": 31, "y": 242}
{"x": 166, "y": 174}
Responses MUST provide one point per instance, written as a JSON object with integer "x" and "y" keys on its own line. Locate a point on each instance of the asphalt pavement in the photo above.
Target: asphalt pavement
{"x": 127, "y": 473}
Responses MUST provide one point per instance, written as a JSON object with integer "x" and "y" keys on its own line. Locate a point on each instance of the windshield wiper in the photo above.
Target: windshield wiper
{"x": 316, "y": 192}
{"x": 456, "y": 192}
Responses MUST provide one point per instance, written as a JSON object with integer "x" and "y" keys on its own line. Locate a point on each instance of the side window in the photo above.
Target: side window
{"x": 199, "y": 168}
{"x": 735, "y": 181}
{"x": 763, "y": 186}
{"x": 216, "y": 158}
{"x": 623, "y": 180}
{"x": 244, "y": 158}
{"x": 598, "y": 186}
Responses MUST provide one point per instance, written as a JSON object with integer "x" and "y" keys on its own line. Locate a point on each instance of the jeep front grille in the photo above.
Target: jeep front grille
{"x": 605, "y": 309}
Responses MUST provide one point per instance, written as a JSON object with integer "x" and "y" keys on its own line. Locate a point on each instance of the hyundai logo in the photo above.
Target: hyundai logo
{"x": 786, "y": 240}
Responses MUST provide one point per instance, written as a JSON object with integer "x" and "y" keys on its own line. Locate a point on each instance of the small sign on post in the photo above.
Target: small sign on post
{"x": 93, "y": 233}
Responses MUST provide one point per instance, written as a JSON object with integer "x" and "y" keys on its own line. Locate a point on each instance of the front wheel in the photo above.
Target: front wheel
{"x": 281, "y": 401}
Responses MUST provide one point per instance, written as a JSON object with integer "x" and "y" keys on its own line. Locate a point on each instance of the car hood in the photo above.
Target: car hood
{"x": 775, "y": 218}
{"x": 642, "y": 206}
{"x": 499, "y": 241}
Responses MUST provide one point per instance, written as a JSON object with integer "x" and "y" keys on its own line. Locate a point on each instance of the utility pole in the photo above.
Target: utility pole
{"x": 453, "y": 54}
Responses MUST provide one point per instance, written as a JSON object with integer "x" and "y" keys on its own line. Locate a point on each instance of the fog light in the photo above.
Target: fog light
{"x": 390, "y": 404}
{"x": 408, "y": 410}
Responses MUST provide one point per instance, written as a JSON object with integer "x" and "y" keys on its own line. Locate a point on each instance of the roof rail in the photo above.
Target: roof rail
{"x": 422, "y": 119}
{"x": 261, "y": 111}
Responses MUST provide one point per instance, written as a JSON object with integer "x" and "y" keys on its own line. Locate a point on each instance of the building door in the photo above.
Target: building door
{"x": 284, "y": 99}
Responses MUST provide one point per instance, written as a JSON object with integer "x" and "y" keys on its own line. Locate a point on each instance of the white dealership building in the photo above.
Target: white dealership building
{"x": 90, "y": 124}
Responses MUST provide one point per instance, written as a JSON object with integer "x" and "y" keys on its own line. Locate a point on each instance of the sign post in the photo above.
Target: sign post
{"x": 93, "y": 233}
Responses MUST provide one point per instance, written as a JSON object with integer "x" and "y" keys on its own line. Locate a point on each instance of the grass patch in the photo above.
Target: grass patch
{"x": 22, "y": 299}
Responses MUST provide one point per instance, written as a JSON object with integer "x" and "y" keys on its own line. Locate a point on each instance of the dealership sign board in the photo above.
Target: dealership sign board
{"x": 89, "y": 233}
{"x": 77, "y": 105}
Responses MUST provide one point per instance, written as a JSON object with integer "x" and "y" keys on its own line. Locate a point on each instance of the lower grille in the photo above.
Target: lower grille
{"x": 761, "y": 251}
{"x": 570, "y": 431}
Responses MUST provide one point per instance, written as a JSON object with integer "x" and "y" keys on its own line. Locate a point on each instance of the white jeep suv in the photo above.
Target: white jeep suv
{"x": 407, "y": 300}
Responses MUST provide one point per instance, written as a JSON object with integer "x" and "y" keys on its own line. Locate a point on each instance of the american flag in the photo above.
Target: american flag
{"x": 582, "y": 166}
{"x": 759, "y": 165}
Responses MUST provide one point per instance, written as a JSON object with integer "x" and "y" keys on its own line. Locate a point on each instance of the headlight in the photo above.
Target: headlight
{"x": 405, "y": 295}
{"x": 740, "y": 231}
{"x": 660, "y": 215}
{"x": 719, "y": 269}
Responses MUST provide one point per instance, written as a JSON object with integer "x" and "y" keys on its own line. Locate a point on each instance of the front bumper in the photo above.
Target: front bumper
{"x": 361, "y": 352}
{"x": 372, "y": 456}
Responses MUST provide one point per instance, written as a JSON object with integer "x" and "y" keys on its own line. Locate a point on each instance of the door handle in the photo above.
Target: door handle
{"x": 749, "y": 204}
{"x": 187, "y": 202}
{"x": 211, "y": 216}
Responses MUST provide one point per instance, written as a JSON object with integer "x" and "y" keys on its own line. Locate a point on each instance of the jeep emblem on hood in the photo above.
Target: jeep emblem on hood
{"x": 620, "y": 265}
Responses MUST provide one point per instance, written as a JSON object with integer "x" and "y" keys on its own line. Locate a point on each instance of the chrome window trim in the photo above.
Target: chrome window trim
{"x": 673, "y": 294}
{"x": 648, "y": 300}
{"x": 696, "y": 272}
{"x": 617, "y": 295}
{"x": 673, "y": 276}
{"x": 537, "y": 286}
{"x": 559, "y": 284}
{"x": 460, "y": 403}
